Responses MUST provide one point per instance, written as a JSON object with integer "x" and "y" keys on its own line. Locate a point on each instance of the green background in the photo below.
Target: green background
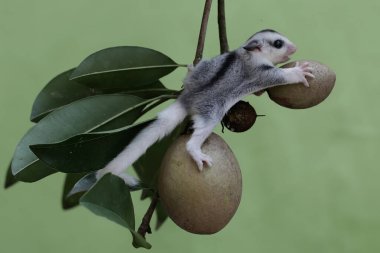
{"x": 311, "y": 177}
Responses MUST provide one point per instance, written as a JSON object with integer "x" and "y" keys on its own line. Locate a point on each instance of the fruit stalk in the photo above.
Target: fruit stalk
{"x": 222, "y": 27}
{"x": 202, "y": 32}
{"x": 145, "y": 227}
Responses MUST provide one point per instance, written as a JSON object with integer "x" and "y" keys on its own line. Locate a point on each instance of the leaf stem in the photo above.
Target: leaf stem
{"x": 146, "y": 102}
{"x": 222, "y": 27}
{"x": 145, "y": 227}
{"x": 156, "y": 103}
{"x": 202, "y": 32}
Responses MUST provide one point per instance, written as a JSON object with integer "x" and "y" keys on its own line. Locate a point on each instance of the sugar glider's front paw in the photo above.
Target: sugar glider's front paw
{"x": 305, "y": 70}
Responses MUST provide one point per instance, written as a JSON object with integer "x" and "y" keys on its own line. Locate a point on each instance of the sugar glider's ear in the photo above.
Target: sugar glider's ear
{"x": 253, "y": 45}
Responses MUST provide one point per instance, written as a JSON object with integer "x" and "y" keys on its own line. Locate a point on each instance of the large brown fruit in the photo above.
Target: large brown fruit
{"x": 297, "y": 96}
{"x": 200, "y": 202}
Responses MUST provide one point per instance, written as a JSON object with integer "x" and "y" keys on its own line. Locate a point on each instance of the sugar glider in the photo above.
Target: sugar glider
{"x": 211, "y": 88}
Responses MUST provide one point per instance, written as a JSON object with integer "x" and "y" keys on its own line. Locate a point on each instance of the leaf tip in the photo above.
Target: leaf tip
{"x": 72, "y": 201}
{"x": 9, "y": 183}
{"x": 10, "y": 179}
{"x": 67, "y": 205}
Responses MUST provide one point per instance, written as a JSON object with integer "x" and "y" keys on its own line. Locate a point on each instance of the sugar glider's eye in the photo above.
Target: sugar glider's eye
{"x": 278, "y": 43}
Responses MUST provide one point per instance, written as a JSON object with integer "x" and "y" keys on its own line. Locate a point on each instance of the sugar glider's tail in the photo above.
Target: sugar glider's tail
{"x": 165, "y": 123}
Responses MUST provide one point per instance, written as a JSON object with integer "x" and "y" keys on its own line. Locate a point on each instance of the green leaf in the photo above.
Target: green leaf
{"x": 9, "y": 179}
{"x": 71, "y": 201}
{"x": 72, "y": 155}
{"x": 61, "y": 91}
{"x": 102, "y": 112}
{"x": 123, "y": 66}
{"x": 148, "y": 165}
{"x": 110, "y": 198}
{"x": 58, "y": 92}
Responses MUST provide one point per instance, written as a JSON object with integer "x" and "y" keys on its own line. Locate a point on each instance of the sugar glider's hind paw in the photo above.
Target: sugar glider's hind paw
{"x": 200, "y": 159}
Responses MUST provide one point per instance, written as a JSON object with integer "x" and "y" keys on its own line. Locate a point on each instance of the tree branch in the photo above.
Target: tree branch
{"x": 145, "y": 227}
{"x": 222, "y": 27}
{"x": 202, "y": 32}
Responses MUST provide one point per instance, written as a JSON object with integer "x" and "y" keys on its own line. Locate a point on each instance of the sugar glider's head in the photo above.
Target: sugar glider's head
{"x": 270, "y": 45}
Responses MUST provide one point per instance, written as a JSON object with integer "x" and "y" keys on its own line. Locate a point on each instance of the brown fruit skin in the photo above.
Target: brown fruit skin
{"x": 200, "y": 202}
{"x": 297, "y": 96}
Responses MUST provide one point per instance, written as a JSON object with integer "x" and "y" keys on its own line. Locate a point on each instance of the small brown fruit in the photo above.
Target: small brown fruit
{"x": 240, "y": 117}
{"x": 297, "y": 96}
{"x": 200, "y": 202}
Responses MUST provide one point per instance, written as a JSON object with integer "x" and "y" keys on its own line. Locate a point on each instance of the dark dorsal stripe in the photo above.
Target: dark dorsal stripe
{"x": 265, "y": 67}
{"x": 230, "y": 58}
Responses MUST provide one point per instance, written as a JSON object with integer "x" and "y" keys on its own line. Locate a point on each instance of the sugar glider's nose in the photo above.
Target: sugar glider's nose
{"x": 292, "y": 49}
